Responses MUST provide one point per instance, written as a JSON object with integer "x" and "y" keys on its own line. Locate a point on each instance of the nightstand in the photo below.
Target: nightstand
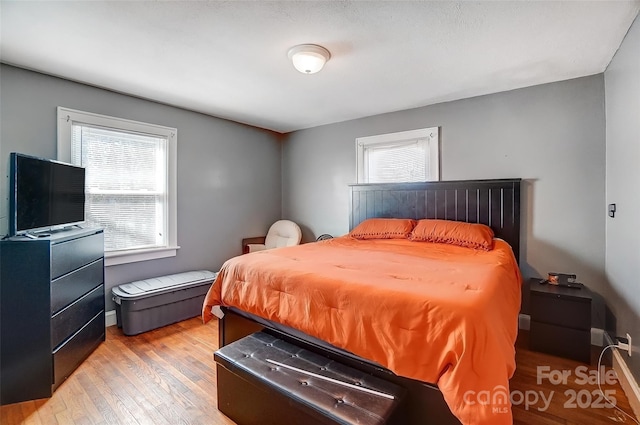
{"x": 560, "y": 320}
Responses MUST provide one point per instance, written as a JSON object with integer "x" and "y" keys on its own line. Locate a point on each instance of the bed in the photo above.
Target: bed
{"x": 452, "y": 349}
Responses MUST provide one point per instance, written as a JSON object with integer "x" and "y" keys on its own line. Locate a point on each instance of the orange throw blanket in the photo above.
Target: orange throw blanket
{"x": 433, "y": 312}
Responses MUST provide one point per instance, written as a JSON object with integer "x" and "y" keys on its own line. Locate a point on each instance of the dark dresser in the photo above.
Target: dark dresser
{"x": 560, "y": 320}
{"x": 51, "y": 309}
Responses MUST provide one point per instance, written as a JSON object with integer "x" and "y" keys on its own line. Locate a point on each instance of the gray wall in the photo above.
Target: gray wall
{"x": 622, "y": 83}
{"x": 552, "y": 135}
{"x": 229, "y": 183}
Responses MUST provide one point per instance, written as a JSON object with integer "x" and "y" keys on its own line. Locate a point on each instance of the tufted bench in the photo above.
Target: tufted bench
{"x": 254, "y": 390}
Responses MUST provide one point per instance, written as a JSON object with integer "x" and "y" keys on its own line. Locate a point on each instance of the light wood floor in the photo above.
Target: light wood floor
{"x": 167, "y": 376}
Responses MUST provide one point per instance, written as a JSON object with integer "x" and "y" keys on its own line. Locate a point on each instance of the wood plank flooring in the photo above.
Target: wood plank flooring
{"x": 167, "y": 376}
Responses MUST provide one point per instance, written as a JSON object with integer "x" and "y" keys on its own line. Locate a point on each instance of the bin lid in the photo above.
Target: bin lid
{"x": 142, "y": 288}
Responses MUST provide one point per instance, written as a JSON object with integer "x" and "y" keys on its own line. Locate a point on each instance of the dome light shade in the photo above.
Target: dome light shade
{"x": 308, "y": 58}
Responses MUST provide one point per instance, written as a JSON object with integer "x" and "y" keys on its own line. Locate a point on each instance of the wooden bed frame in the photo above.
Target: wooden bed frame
{"x": 495, "y": 203}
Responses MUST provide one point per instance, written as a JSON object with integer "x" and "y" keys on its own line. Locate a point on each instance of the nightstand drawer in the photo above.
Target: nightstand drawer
{"x": 560, "y": 310}
{"x": 559, "y": 341}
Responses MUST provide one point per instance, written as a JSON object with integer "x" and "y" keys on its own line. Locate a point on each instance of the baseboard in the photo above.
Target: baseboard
{"x": 597, "y": 337}
{"x": 110, "y": 318}
{"x": 625, "y": 377}
{"x": 627, "y": 382}
{"x": 524, "y": 322}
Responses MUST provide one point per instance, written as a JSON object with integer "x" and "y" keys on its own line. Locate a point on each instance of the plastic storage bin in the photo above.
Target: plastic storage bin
{"x": 152, "y": 303}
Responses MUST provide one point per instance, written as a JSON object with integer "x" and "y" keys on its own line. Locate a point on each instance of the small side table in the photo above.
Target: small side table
{"x": 560, "y": 320}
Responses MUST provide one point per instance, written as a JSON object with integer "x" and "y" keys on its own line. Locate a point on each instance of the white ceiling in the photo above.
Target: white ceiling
{"x": 229, "y": 58}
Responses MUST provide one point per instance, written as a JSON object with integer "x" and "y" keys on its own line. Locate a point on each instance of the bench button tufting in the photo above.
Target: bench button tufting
{"x": 265, "y": 375}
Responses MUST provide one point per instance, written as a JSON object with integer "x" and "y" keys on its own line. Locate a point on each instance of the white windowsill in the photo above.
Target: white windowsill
{"x": 133, "y": 256}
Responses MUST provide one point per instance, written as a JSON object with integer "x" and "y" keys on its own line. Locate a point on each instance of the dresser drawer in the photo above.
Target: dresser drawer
{"x": 559, "y": 341}
{"x": 561, "y": 310}
{"x": 70, "y": 287}
{"x": 72, "y": 254}
{"x": 70, "y": 354}
{"x": 72, "y": 318}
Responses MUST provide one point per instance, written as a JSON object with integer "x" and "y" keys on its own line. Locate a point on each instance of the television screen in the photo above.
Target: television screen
{"x": 44, "y": 194}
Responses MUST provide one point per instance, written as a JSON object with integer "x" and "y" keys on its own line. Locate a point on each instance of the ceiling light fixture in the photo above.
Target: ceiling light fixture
{"x": 308, "y": 58}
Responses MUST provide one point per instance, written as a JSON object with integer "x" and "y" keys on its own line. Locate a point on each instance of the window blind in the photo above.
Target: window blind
{"x": 126, "y": 185}
{"x": 396, "y": 162}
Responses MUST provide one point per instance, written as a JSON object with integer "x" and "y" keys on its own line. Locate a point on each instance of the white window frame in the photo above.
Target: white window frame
{"x": 431, "y": 135}
{"x": 66, "y": 118}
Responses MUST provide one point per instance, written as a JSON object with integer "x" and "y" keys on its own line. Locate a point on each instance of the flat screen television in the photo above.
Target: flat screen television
{"x": 44, "y": 194}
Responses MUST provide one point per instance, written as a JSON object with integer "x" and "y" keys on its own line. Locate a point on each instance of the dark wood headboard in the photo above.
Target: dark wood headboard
{"x": 495, "y": 203}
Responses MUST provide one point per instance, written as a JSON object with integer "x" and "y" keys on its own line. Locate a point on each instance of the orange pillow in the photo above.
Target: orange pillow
{"x": 383, "y": 228}
{"x": 470, "y": 235}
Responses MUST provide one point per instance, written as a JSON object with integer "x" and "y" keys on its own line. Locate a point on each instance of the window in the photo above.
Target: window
{"x": 407, "y": 156}
{"x": 130, "y": 182}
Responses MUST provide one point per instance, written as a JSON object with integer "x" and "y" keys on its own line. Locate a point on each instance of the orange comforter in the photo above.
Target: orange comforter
{"x": 433, "y": 312}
